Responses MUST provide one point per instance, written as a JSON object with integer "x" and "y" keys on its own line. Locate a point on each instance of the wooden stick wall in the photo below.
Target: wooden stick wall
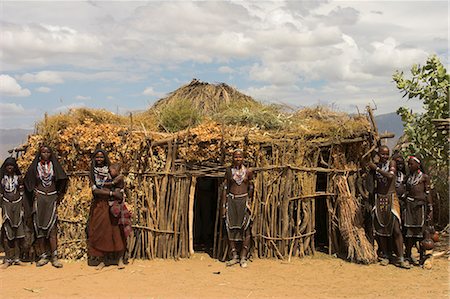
{"x": 162, "y": 203}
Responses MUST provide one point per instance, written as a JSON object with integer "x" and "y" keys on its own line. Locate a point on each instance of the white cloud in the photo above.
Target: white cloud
{"x": 110, "y": 97}
{"x": 40, "y": 44}
{"x": 8, "y": 109}
{"x": 83, "y": 98}
{"x": 59, "y": 77}
{"x": 48, "y": 77}
{"x": 388, "y": 55}
{"x": 10, "y": 87}
{"x": 68, "y": 107}
{"x": 149, "y": 91}
{"x": 43, "y": 89}
{"x": 225, "y": 70}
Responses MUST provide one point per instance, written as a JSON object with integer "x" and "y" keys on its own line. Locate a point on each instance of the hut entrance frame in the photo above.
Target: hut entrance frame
{"x": 206, "y": 210}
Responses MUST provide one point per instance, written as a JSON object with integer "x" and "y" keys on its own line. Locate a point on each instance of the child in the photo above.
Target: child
{"x": 119, "y": 209}
{"x": 117, "y": 183}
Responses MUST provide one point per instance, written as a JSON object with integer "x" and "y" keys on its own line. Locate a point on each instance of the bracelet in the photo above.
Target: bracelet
{"x": 377, "y": 169}
{"x": 110, "y": 193}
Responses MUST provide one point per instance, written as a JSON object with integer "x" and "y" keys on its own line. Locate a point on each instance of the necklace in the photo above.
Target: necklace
{"x": 239, "y": 174}
{"x": 101, "y": 175}
{"x": 414, "y": 179}
{"x": 45, "y": 173}
{"x": 384, "y": 167}
{"x": 400, "y": 178}
{"x": 10, "y": 183}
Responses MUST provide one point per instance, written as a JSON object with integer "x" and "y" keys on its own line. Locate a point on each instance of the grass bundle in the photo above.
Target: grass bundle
{"x": 268, "y": 117}
{"x": 359, "y": 249}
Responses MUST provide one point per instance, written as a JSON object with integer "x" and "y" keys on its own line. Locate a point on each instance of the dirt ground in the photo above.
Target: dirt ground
{"x": 320, "y": 276}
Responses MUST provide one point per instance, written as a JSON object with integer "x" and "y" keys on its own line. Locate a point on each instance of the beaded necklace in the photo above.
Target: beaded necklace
{"x": 101, "y": 175}
{"x": 239, "y": 174}
{"x": 414, "y": 179}
{"x": 45, "y": 173}
{"x": 10, "y": 183}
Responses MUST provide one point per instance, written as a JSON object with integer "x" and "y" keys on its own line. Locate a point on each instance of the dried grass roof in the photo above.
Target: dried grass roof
{"x": 205, "y": 97}
{"x": 79, "y": 131}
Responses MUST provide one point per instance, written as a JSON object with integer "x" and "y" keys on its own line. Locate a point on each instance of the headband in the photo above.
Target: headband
{"x": 415, "y": 159}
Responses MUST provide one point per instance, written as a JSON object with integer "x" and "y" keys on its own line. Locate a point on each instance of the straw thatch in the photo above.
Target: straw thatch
{"x": 205, "y": 97}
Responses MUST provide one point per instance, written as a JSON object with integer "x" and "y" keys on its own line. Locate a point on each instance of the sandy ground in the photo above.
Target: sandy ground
{"x": 321, "y": 276}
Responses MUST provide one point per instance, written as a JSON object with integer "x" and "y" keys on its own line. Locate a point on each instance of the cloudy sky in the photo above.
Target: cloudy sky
{"x": 123, "y": 55}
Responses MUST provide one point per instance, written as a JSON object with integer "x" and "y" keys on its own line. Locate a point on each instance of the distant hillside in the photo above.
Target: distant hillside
{"x": 390, "y": 122}
{"x": 10, "y": 138}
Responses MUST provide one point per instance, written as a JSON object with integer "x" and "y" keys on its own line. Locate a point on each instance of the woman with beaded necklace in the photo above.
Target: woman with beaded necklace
{"x": 47, "y": 182}
{"x": 12, "y": 203}
{"x": 104, "y": 234}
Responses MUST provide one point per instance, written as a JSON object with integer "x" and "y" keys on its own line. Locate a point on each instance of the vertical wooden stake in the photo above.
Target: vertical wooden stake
{"x": 191, "y": 215}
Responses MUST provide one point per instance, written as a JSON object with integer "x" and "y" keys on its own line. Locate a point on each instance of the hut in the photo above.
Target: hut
{"x": 306, "y": 165}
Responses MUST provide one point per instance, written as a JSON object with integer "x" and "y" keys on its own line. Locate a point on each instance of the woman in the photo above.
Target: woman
{"x": 47, "y": 182}
{"x": 418, "y": 208}
{"x": 236, "y": 208}
{"x": 104, "y": 234}
{"x": 12, "y": 203}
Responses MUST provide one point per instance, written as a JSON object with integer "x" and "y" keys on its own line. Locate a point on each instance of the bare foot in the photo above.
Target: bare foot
{"x": 6, "y": 264}
{"x": 428, "y": 263}
{"x": 43, "y": 261}
{"x": 100, "y": 266}
{"x": 56, "y": 263}
{"x": 243, "y": 263}
{"x": 384, "y": 262}
{"x": 232, "y": 262}
{"x": 120, "y": 265}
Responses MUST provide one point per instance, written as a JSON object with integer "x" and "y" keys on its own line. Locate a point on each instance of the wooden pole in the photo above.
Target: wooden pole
{"x": 285, "y": 211}
{"x": 191, "y": 215}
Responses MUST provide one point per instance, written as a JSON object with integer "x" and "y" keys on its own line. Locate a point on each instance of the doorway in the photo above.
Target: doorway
{"x": 205, "y": 209}
{"x": 321, "y": 215}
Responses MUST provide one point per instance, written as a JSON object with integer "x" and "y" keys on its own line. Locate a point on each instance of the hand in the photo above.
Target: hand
{"x": 372, "y": 166}
{"x": 223, "y": 213}
{"x": 430, "y": 216}
{"x": 376, "y": 158}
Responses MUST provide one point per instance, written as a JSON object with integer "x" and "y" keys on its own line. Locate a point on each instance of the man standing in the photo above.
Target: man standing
{"x": 417, "y": 199}
{"x": 386, "y": 212}
{"x": 236, "y": 208}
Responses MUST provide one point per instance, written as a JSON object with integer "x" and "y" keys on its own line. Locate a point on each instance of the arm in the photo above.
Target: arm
{"x": 428, "y": 198}
{"x": 251, "y": 186}
{"x": 106, "y": 192}
{"x": 388, "y": 174}
{"x": 108, "y": 184}
{"x": 224, "y": 191}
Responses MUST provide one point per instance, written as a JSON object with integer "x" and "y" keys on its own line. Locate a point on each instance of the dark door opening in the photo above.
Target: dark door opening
{"x": 321, "y": 215}
{"x": 205, "y": 208}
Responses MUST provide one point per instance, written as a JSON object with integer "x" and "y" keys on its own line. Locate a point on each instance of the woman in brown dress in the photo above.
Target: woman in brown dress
{"x": 104, "y": 234}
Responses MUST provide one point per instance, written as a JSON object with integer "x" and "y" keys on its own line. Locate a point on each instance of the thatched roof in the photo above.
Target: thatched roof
{"x": 205, "y": 97}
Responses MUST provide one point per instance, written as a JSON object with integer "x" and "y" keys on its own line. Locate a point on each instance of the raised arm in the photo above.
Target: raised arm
{"x": 390, "y": 174}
